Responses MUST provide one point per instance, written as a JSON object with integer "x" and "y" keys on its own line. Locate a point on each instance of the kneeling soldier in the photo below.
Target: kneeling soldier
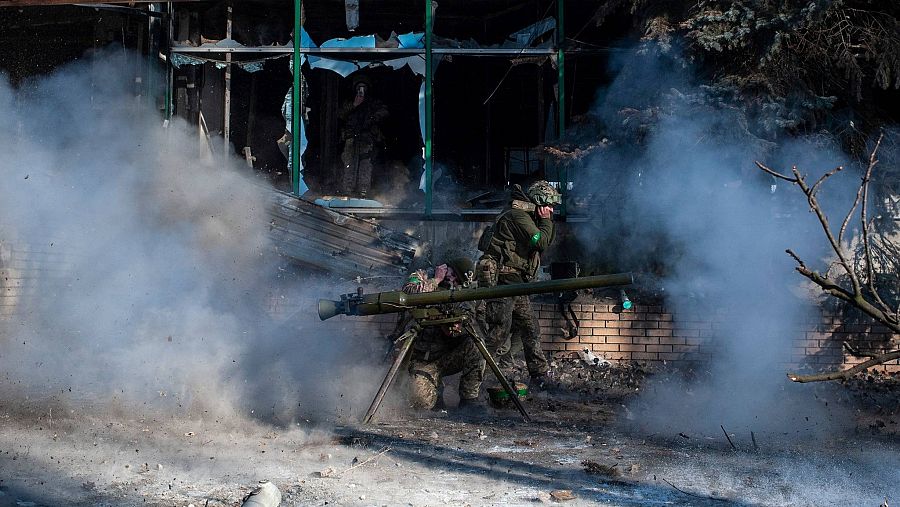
{"x": 447, "y": 349}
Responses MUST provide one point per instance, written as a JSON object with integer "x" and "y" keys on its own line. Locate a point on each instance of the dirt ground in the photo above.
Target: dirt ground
{"x": 581, "y": 445}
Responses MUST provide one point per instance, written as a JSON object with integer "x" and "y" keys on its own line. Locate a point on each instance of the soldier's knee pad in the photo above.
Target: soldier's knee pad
{"x": 424, "y": 391}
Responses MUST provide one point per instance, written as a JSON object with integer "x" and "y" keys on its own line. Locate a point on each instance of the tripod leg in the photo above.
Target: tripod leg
{"x": 406, "y": 340}
{"x": 478, "y": 338}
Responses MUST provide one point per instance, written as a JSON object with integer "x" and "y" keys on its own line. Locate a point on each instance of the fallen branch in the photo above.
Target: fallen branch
{"x": 729, "y": 438}
{"x": 855, "y": 352}
{"x": 695, "y": 495}
{"x": 845, "y": 374}
{"x": 361, "y": 463}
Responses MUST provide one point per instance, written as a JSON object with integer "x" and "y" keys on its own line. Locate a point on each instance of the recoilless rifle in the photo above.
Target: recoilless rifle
{"x": 437, "y": 309}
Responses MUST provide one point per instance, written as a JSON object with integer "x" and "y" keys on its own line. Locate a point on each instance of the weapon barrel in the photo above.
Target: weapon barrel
{"x": 394, "y": 302}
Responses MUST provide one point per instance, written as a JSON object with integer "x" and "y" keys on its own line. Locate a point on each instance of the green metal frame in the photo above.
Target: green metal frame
{"x": 170, "y": 72}
{"x": 296, "y": 98}
{"x": 429, "y": 110}
{"x": 296, "y": 110}
{"x": 562, "y": 172}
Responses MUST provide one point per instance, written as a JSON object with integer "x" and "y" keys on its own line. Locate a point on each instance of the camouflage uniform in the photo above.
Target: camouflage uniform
{"x": 512, "y": 255}
{"x": 443, "y": 350}
{"x": 437, "y": 354}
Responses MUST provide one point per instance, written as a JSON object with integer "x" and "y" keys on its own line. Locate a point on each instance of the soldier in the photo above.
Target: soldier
{"x": 361, "y": 134}
{"x": 441, "y": 351}
{"x": 512, "y": 254}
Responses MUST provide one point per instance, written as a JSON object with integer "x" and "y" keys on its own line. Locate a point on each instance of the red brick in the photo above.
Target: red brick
{"x": 587, "y": 308}
{"x": 632, "y": 316}
{"x": 605, "y": 347}
{"x": 591, "y": 339}
{"x": 553, "y": 346}
{"x": 627, "y": 347}
{"x": 645, "y": 339}
{"x": 643, "y": 324}
{"x": 618, "y": 339}
{"x": 659, "y": 348}
{"x": 669, "y": 340}
{"x": 632, "y": 332}
{"x": 593, "y": 323}
{"x": 659, "y": 332}
{"x": 605, "y": 316}
{"x": 646, "y": 356}
{"x": 574, "y": 346}
{"x": 618, "y": 356}
{"x": 665, "y": 325}
{"x": 604, "y": 331}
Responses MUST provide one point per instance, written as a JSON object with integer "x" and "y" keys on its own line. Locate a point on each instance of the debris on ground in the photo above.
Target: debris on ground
{"x": 562, "y": 495}
{"x": 575, "y": 374}
{"x": 594, "y": 468}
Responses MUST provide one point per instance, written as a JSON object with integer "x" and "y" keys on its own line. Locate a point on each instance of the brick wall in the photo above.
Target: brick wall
{"x": 643, "y": 333}
{"x": 654, "y": 334}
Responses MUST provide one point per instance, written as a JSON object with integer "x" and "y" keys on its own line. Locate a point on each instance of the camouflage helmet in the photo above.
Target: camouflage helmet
{"x": 543, "y": 194}
{"x": 461, "y": 266}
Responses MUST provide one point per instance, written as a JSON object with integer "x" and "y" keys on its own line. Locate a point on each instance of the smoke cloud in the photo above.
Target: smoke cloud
{"x": 678, "y": 181}
{"x": 138, "y": 269}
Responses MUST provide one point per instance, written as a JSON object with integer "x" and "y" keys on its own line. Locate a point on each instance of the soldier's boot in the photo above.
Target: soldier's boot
{"x": 545, "y": 382}
{"x": 471, "y": 407}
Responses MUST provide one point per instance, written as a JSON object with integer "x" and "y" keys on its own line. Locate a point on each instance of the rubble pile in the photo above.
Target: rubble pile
{"x": 591, "y": 377}
{"x": 876, "y": 397}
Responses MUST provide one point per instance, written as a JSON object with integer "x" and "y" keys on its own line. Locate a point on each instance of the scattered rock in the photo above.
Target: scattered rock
{"x": 327, "y": 472}
{"x": 594, "y": 468}
{"x": 562, "y": 495}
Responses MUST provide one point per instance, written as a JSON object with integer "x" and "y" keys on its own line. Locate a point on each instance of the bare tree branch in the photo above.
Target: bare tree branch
{"x": 845, "y": 374}
{"x": 849, "y": 216}
{"x": 774, "y": 173}
{"x": 870, "y": 266}
{"x": 856, "y": 295}
{"x": 815, "y": 187}
{"x": 855, "y": 352}
{"x": 823, "y": 221}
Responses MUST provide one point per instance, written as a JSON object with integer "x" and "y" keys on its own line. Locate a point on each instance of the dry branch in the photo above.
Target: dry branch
{"x": 858, "y": 294}
{"x": 845, "y": 374}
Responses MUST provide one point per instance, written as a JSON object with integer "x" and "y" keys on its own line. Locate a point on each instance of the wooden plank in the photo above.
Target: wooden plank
{"x": 336, "y": 242}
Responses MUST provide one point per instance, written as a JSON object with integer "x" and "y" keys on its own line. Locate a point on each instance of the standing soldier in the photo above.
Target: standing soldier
{"x": 512, "y": 254}
{"x": 440, "y": 351}
{"x": 361, "y": 134}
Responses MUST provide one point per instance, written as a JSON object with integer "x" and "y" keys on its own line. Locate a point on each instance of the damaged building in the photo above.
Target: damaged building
{"x": 469, "y": 102}
{"x": 465, "y": 99}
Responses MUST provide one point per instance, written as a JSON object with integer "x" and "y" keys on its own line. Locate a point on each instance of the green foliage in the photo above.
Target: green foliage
{"x": 788, "y": 63}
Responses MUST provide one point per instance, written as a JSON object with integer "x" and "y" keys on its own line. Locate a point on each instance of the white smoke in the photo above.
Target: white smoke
{"x": 148, "y": 260}
{"x": 692, "y": 186}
